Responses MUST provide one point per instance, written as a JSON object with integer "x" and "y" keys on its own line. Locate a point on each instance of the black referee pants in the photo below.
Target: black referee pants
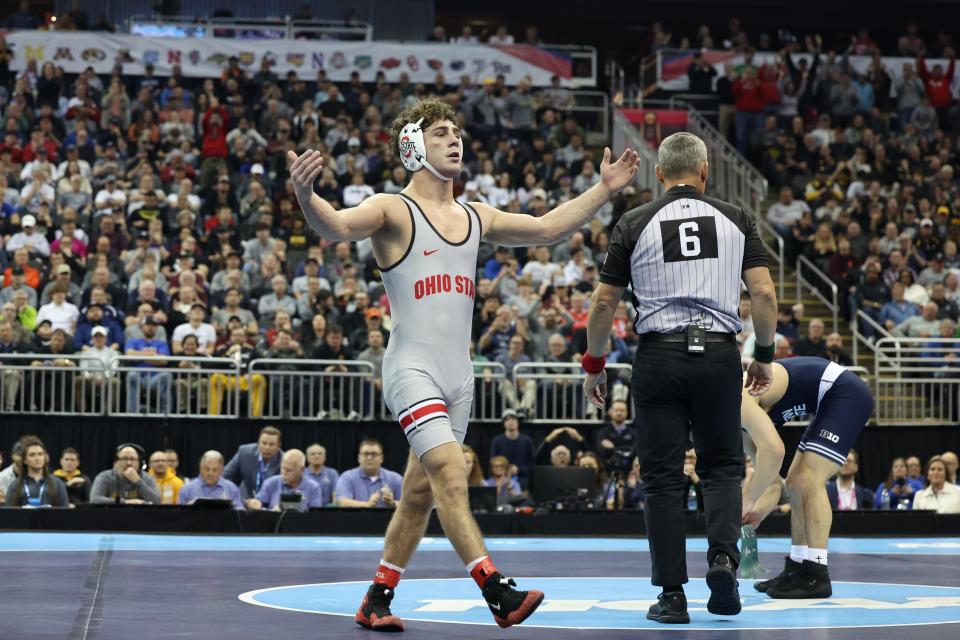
{"x": 677, "y": 393}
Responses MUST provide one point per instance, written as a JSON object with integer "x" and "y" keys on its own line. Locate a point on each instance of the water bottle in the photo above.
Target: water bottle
{"x": 692, "y": 499}
{"x": 885, "y": 499}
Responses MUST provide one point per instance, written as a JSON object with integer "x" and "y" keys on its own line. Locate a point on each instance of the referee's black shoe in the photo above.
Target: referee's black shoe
{"x": 722, "y": 581}
{"x": 812, "y": 581}
{"x": 790, "y": 567}
{"x": 670, "y": 608}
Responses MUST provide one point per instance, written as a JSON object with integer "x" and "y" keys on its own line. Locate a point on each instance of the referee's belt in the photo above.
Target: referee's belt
{"x": 682, "y": 337}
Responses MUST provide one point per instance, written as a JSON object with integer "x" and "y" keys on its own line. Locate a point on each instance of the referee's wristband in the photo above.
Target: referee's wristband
{"x": 763, "y": 354}
{"x": 593, "y": 364}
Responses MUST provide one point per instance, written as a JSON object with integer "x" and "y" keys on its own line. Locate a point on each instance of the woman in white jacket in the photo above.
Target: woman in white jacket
{"x": 939, "y": 495}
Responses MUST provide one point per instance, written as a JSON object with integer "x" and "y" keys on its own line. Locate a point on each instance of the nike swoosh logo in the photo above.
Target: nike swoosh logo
{"x": 494, "y": 606}
{"x": 428, "y": 253}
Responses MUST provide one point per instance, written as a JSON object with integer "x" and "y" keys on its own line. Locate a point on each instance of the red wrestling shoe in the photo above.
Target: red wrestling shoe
{"x": 508, "y": 605}
{"x": 374, "y": 612}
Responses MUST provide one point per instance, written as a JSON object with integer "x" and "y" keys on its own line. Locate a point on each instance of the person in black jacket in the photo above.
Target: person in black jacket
{"x": 844, "y": 492}
{"x": 78, "y": 484}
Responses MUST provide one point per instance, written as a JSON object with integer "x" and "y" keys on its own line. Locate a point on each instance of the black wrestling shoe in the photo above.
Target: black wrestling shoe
{"x": 374, "y": 612}
{"x": 508, "y": 605}
{"x": 670, "y": 608}
{"x": 722, "y": 581}
{"x": 811, "y": 581}
{"x": 790, "y": 567}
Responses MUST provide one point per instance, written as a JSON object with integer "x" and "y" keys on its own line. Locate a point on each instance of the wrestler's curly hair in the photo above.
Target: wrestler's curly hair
{"x": 430, "y": 109}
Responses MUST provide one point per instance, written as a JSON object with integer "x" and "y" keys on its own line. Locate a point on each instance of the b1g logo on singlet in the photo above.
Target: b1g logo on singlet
{"x": 443, "y": 283}
{"x": 689, "y": 239}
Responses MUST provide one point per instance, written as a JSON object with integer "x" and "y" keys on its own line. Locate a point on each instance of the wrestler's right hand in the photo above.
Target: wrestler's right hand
{"x": 304, "y": 171}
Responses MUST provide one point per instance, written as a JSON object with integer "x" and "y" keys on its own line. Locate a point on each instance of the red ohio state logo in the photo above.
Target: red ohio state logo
{"x": 406, "y": 146}
{"x": 443, "y": 283}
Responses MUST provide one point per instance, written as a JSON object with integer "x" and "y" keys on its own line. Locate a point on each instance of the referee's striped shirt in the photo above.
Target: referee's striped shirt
{"x": 683, "y": 255}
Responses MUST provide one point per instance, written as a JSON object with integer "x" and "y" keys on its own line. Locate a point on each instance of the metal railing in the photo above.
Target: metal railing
{"x": 917, "y": 380}
{"x": 552, "y": 392}
{"x": 53, "y": 384}
{"x": 832, "y": 303}
{"x": 285, "y": 28}
{"x": 735, "y": 180}
{"x": 592, "y": 108}
{"x": 626, "y": 135}
{"x": 732, "y": 177}
{"x": 164, "y": 386}
{"x": 312, "y": 389}
{"x": 860, "y": 322}
{"x": 274, "y": 389}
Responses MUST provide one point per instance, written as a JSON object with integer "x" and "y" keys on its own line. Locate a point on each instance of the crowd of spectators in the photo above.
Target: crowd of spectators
{"x": 154, "y": 217}
{"x": 262, "y": 475}
{"x": 861, "y": 162}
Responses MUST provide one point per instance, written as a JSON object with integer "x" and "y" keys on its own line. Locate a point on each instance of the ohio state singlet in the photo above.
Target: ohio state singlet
{"x": 426, "y": 367}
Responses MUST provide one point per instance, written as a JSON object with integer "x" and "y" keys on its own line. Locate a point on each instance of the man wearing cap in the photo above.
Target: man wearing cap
{"x": 74, "y": 292}
{"x": 110, "y": 197}
{"x": 36, "y": 243}
{"x": 98, "y": 370}
{"x": 352, "y": 160}
{"x": 18, "y": 282}
{"x": 301, "y": 284}
{"x": 373, "y": 321}
{"x": 927, "y": 243}
{"x": 150, "y": 209}
{"x": 934, "y": 273}
{"x": 157, "y": 383}
{"x": 93, "y": 316}
{"x": 21, "y": 262}
{"x": 309, "y": 302}
{"x": 73, "y": 155}
{"x": 255, "y": 249}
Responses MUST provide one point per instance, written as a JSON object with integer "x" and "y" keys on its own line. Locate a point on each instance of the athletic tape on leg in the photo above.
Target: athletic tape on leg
{"x": 750, "y": 566}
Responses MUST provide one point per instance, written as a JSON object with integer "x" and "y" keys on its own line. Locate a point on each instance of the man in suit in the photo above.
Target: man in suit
{"x": 844, "y": 493}
{"x": 253, "y": 463}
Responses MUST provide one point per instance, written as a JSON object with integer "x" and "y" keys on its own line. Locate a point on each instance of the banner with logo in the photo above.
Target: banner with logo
{"x": 207, "y": 57}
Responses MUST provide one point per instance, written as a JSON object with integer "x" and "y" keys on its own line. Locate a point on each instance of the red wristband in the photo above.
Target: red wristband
{"x": 593, "y": 364}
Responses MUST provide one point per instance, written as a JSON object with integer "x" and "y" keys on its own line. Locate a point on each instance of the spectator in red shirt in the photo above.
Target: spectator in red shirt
{"x": 750, "y": 98}
{"x": 12, "y": 144}
{"x": 215, "y": 123}
{"x": 21, "y": 264}
{"x": 937, "y": 84}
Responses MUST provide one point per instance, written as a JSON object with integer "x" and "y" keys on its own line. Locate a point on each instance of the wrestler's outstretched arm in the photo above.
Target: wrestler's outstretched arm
{"x": 356, "y": 223}
{"x": 520, "y": 230}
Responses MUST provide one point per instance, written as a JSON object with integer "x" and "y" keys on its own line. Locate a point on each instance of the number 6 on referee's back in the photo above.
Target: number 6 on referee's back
{"x": 689, "y": 239}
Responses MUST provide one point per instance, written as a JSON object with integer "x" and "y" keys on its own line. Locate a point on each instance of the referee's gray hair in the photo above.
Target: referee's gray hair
{"x": 212, "y": 454}
{"x": 681, "y": 154}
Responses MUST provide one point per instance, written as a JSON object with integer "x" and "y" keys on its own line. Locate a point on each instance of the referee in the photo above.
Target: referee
{"x": 684, "y": 256}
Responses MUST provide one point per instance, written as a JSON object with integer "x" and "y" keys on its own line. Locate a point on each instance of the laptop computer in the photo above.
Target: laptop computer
{"x": 483, "y": 499}
{"x": 552, "y": 483}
